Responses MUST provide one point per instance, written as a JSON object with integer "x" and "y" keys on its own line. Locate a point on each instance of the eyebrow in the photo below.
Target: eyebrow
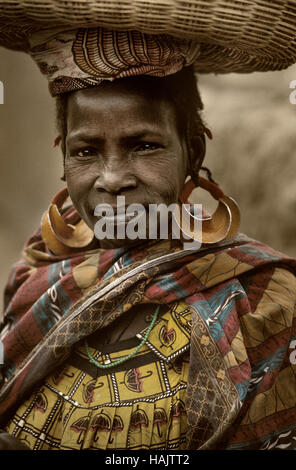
{"x": 97, "y": 140}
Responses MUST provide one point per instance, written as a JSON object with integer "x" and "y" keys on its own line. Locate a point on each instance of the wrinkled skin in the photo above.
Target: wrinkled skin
{"x": 122, "y": 142}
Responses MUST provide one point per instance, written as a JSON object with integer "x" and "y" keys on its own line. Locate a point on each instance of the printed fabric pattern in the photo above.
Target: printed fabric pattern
{"x": 240, "y": 390}
{"x": 139, "y": 404}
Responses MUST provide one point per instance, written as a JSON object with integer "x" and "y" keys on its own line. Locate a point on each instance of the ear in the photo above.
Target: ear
{"x": 197, "y": 154}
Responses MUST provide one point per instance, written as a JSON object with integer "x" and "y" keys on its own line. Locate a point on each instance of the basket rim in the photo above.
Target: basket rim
{"x": 245, "y": 36}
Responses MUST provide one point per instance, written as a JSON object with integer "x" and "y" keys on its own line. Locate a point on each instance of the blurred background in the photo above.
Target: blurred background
{"x": 252, "y": 155}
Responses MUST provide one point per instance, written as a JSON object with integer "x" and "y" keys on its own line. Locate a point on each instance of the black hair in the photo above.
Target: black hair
{"x": 180, "y": 89}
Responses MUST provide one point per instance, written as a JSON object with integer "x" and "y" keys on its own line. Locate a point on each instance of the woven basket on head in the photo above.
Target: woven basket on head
{"x": 235, "y": 35}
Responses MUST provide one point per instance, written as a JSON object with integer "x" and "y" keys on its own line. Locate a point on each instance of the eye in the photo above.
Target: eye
{"x": 86, "y": 152}
{"x": 147, "y": 146}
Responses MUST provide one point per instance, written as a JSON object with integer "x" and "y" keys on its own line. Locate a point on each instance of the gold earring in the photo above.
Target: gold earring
{"x": 223, "y": 224}
{"x": 60, "y": 237}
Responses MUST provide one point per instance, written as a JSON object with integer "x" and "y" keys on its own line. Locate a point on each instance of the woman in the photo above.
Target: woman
{"x": 124, "y": 343}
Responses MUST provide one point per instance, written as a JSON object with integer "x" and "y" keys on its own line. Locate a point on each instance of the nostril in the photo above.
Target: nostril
{"x": 125, "y": 189}
{"x": 114, "y": 183}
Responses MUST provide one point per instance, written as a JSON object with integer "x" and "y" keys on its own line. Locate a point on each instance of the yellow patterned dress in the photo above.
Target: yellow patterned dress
{"x": 139, "y": 404}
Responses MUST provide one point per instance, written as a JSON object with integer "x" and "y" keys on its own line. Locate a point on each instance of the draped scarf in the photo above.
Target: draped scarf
{"x": 241, "y": 295}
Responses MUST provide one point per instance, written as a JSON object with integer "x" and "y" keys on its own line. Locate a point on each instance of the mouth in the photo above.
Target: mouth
{"x": 119, "y": 215}
{"x": 121, "y": 219}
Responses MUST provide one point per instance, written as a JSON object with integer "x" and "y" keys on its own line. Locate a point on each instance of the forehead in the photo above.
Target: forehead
{"x": 123, "y": 104}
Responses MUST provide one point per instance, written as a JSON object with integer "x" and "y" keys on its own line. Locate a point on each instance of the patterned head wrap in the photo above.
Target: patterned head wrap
{"x": 81, "y": 58}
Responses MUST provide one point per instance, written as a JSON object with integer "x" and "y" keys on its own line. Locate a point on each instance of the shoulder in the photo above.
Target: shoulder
{"x": 271, "y": 313}
{"x": 269, "y": 278}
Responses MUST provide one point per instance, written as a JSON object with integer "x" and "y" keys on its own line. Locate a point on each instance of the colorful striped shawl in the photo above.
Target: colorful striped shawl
{"x": 241, "y": 387}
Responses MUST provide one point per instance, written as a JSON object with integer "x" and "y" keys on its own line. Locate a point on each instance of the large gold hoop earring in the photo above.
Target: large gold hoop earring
{"x": 221, "y": 225}
{"x": 59, "y": 236}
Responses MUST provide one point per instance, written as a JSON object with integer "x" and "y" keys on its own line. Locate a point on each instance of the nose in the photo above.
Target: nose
{"x": 115, "y": 180}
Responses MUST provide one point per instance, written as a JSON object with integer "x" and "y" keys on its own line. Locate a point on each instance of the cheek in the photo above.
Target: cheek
{"x": 79, "y": 177}
{"x": 78, "y": 184}
{"x": 163, "y": 176}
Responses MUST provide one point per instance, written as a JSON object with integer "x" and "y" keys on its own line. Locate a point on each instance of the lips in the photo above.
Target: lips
{"x": 118, "y": 215}
{"x": 119, "y": 219}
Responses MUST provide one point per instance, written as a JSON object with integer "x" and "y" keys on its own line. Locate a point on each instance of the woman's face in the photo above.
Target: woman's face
{"x": 122, "y": 143}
